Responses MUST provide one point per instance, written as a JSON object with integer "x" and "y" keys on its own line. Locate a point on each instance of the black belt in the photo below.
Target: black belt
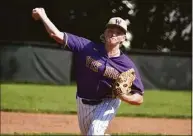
{"x": 91, "y": 102}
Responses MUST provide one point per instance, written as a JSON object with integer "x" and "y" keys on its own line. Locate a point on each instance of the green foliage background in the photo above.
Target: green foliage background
{"x": 154, "y": 24}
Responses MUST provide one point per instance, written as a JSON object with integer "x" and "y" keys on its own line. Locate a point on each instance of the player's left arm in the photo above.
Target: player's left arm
{"x": 134, "y": 99}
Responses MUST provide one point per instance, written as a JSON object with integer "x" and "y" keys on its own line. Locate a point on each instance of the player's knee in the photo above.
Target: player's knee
{"x": 97, "y": 128}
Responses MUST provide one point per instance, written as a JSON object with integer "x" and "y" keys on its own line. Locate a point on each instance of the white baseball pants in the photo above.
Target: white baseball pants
{"x": 94, "y": 119}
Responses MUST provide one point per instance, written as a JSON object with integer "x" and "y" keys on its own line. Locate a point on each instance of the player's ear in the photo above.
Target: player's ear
{"x": 123, "y": 38}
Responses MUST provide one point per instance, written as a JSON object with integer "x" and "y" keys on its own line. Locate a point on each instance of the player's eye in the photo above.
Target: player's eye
{"x": 125, "y": 85}
{"x": 119, "y": 33}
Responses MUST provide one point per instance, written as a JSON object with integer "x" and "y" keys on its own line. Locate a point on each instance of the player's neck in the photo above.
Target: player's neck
{"x": 113, "y": 51}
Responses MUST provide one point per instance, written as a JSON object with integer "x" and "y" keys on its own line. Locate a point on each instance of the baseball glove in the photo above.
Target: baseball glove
{"x": 123, "y": 83}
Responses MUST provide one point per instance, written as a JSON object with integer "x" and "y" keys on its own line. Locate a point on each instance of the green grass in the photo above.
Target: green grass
{"x": 161, "y": 104}
{"x": 61, "y": 99}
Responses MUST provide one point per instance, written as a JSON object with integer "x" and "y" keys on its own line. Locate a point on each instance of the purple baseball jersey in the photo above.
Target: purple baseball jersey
{"x": 95, "y": 72}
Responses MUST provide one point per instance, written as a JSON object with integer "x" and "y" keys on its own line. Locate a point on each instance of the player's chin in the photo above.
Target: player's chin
{"x": 113, "y": 43}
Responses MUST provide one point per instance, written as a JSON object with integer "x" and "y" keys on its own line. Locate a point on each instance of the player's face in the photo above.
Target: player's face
{"x": 114, "y": 35}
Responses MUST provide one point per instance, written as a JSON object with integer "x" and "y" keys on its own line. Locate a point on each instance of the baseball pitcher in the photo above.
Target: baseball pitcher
{"x": 105, "y": 75}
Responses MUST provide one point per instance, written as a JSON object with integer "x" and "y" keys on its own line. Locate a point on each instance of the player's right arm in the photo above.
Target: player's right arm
{"x": 40, "y": 14}
{"x": 71, "y": 42}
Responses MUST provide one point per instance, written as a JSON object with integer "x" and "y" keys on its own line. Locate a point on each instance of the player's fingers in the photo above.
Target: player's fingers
{"x": 39, "y": 8}
{"x": 34, "y": 11}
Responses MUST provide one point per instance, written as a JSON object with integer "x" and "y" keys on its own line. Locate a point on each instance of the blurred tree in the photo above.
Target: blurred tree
{"x": 158, "y": 24}
{"x": 161, "y": 25}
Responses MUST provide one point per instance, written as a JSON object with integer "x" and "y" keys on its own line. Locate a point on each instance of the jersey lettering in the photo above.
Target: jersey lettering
{"x": 89, "y": 60}
{"x": 110, "y": 72}
{"x": 92, "y": 64}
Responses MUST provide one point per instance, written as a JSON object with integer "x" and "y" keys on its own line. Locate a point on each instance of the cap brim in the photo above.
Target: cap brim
{"x": 114, "y": 25}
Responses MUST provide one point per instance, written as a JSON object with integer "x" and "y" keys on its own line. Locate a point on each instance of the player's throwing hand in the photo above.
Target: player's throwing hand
{"x": 38, "y": 13}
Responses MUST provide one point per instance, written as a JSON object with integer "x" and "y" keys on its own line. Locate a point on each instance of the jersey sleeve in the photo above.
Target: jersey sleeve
{"x": 75, "y": 43}
{"x": 137, "y": 86}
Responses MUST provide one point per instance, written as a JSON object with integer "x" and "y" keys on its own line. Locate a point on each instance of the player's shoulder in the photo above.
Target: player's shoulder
{"x": 126, "y": 60}
{"x": 75, "y": 38}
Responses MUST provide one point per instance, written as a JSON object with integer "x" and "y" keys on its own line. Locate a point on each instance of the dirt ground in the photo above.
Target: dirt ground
{"x": 51, "y": 123}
